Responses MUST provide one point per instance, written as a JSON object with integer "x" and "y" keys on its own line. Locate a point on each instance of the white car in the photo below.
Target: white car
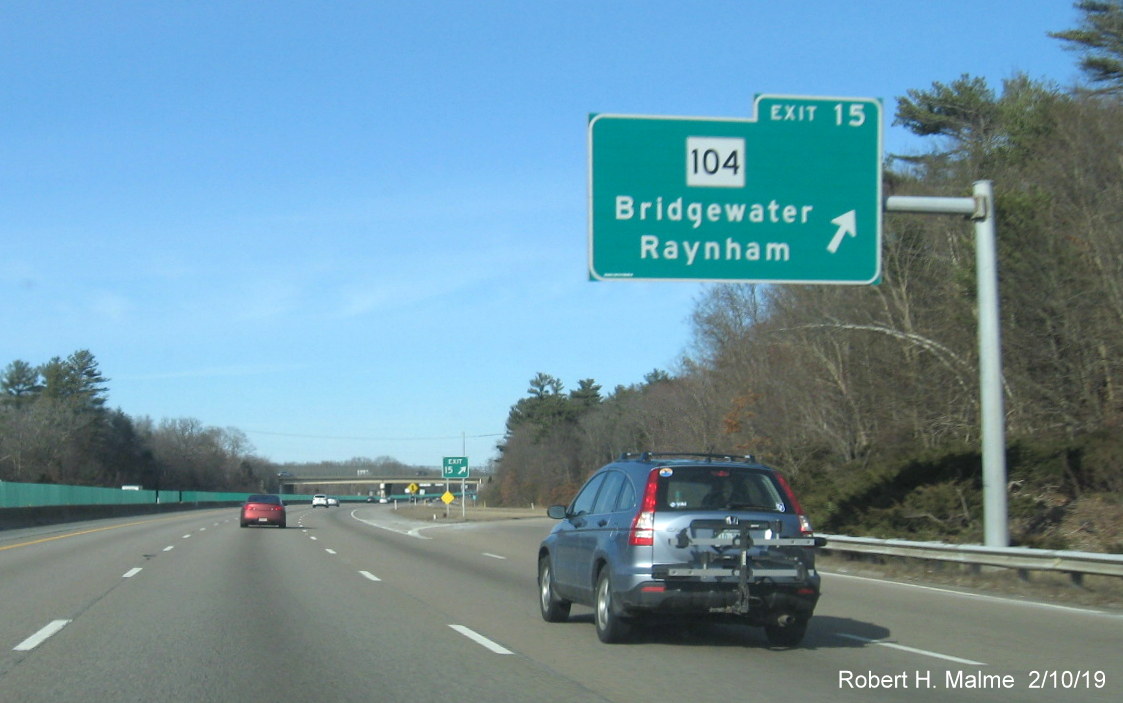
{"x": 333, "y": 502}
{"x": 319, "y": 501}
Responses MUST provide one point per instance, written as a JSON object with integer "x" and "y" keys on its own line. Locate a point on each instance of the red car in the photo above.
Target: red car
{"x": 263, "y": 510}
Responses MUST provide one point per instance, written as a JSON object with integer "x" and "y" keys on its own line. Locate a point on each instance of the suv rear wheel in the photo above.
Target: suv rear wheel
{"x": 611, "y": 627}
{"x": 554, "y": 609}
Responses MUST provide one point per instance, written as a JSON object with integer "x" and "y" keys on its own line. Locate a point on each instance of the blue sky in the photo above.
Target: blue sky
{"x": 359, "y": 228}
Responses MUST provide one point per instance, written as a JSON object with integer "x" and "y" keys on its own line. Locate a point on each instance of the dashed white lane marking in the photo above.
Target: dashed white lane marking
{"x": 330, "y": 551}
{"x": 913, "y": 650}
{"x": 494, "y": 556}
{"x": 369, "y": 575}
{"x": 41, "y": 636}
{"x": 169, "y": 548}
{"x": 131, "y": 572}
{"x": 481, "y": 640}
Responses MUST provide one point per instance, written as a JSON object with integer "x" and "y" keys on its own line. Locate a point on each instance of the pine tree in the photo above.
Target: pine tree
{"x": 1100, "y": 39}
{"x": 20, "y": 383}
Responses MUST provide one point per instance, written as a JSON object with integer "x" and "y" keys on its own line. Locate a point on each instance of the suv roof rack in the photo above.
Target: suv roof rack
{"x": 651, "y": 456}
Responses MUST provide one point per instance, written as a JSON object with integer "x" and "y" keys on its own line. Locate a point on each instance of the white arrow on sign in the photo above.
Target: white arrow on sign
{"x": 847, "y": 224}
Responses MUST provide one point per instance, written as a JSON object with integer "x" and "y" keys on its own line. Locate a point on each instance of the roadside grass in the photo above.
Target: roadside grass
{"x": 1046, "y": 586}
{"x": 436, "y": 512}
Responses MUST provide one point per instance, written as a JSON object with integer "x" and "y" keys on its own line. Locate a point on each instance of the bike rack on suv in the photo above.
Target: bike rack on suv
{"x": 724, "y": 548}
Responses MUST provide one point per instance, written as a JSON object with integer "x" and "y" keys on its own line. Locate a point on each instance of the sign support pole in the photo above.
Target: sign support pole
{"x": 980, "y": 208}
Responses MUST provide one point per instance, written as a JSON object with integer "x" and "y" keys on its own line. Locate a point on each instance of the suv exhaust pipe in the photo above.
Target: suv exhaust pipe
{"x": 785, "y": 620}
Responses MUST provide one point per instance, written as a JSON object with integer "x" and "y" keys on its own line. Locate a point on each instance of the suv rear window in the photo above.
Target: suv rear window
{"x": 718, "y": 488}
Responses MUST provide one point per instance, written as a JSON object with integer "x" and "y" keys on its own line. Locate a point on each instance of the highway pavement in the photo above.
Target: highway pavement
{"x": 358, "y": 603}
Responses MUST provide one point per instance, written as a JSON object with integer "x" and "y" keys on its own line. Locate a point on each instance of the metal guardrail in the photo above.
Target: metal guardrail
{"x": 1076, "y": 564}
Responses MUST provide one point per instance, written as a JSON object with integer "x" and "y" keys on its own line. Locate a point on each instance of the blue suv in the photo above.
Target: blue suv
{"x": 686, "y": 536}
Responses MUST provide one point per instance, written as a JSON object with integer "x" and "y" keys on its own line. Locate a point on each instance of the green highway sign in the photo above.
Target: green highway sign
{"x": 454, "y": 467}
{"x": 792, "y": 196}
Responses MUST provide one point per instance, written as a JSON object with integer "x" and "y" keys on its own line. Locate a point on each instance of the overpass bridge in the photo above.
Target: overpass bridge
{"x": 376, "y": 486}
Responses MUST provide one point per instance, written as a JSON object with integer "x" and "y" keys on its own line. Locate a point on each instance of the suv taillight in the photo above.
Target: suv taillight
{"x": 804, "y": 523}
{"x": 643, "y": 524}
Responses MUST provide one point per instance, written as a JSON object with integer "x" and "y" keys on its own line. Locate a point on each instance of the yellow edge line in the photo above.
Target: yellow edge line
{"x": 88, "y": 532}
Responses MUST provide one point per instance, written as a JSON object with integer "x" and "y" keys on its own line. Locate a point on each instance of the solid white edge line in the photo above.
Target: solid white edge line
{"x": 978, "y": 596}
{"x": 369, "y": 575}
{"x": 480, "y": 639}
{"x": 409, "y": 533}
{"x": 41, "y": 636}
{"x": 913, "y": 650}
{"x": 131, "y": 572}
